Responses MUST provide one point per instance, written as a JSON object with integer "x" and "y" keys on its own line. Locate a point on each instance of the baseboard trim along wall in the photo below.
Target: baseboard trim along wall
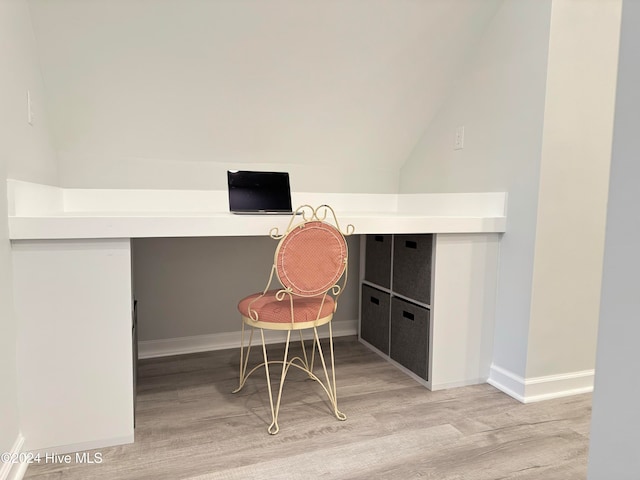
{"x": 14, "y": 470}
{"x": 226, "y": 340}
{"x": 536, "y": 389}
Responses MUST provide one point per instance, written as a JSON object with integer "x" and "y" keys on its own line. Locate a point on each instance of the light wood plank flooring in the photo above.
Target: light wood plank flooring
{"x": 190, "y": 426}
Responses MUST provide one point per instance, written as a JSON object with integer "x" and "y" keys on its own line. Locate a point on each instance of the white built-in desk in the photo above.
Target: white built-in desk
{"x": 71, "y": 251}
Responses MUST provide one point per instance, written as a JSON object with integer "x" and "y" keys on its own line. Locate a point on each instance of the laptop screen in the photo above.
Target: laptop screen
{"x": 259, "y": 192}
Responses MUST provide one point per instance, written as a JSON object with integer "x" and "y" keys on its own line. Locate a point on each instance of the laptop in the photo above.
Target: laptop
{"x": 256, "y": 193}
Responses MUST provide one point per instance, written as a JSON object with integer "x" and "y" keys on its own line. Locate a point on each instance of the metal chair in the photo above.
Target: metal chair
{"x": 310, "y": 260}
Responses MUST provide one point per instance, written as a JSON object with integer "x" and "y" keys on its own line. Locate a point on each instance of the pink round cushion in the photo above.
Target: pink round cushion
{"x": 270, "y": 309}
{"x": 311, "y": 258}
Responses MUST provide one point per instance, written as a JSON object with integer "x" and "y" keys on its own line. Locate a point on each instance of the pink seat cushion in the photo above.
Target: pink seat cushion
{"x": 271, "y": 310}
{"x": 311, "y": 258}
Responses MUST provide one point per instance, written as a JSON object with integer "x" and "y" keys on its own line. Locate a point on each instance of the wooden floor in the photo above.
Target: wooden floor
{"x": 190, "y": 426}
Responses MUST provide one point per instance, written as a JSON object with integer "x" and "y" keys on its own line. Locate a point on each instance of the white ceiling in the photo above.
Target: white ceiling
{"x": 275, "y": 81}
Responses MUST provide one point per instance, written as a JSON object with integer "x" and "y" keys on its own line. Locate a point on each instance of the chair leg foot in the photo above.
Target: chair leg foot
{"x": 238, "y": 389}
{"x": 273, "y": 429}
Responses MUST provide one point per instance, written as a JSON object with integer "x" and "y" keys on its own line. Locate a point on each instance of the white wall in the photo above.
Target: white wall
{"x": 29, "y": 150}
{"x": 96, "y": 171}
{"x": 576, "y": 153}
{"x": 25, "y": 153}
{"x": 499, "y": 99}
{"x": 9, "y": 420}
{"x": 615, "y": 421}
{"x": 170, "y": 93}
{"x": 537, "y": 105}
{"x": 191, "y": 286}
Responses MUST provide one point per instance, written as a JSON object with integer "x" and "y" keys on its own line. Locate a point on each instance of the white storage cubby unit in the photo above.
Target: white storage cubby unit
{"x": 427, "y": 304}
{"x": 396, "y": 296}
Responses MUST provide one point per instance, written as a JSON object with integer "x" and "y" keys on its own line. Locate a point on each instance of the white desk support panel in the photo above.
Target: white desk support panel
{"x": 71, "y": 252}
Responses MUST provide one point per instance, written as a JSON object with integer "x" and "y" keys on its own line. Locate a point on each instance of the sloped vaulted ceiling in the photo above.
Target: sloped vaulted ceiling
{"x": 277, "y": 81}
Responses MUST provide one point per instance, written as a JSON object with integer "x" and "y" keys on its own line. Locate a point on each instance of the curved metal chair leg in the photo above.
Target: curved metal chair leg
{"x": 304, "y": 351}
{"x": 331, "y": 386}
{"x": 266, "y": 368}
{"x": 274, "y": 428}
{"x": 339, "y": 414}
{"x": 244, "y": 359}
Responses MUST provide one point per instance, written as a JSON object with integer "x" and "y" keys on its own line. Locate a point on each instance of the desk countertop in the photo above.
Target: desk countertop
{"x": 45, "y": 212}
{"x": 194, "y": 224}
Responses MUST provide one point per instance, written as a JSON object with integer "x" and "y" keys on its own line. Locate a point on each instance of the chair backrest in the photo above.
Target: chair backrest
{"x": 311, "y": 258}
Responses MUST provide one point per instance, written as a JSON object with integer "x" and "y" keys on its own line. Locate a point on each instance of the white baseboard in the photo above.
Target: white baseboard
{"x": 223, "y": 341}
{"x": 508, "y": 382}
{"x": 536, "y": 389}
{"x": 11, "y": 470}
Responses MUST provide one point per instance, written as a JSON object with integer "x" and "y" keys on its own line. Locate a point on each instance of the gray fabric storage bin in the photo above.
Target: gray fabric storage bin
{"x": 412, "y": 266}
{"x": 410, "y": 336}
{"x": 374, "y": 321}
{"x": 378, "y": 260}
